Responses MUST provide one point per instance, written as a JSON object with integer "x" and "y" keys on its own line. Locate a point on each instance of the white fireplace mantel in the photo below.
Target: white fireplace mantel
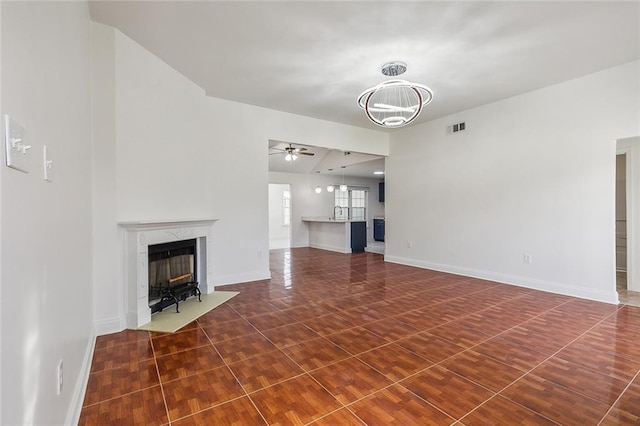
{"x": 138, "y": 236}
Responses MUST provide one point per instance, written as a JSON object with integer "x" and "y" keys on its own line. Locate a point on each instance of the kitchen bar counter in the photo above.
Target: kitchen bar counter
{"x": 343, "y": 236}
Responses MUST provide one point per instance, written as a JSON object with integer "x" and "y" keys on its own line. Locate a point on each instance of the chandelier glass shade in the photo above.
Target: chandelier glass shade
{"x": 394, "y": 103}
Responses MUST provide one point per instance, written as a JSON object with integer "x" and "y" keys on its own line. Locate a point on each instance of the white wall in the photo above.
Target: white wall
{"x": 178, "y": 154}
{"x": 305, "y": 201}
{"x": 46, "y": 227}
{"x": 534, "y": 174}
{"x": 279, "y": 232}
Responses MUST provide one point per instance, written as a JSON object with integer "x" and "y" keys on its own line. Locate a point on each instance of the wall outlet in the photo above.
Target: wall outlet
{"x": 526, "y": 258}
{"x": 409, "y": 244}
{"x": 59, "y": 378}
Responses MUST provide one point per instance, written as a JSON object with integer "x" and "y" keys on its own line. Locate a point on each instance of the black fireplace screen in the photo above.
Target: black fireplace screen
{"x": 171, "y": 265}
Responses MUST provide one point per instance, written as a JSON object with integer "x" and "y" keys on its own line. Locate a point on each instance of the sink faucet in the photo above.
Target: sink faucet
{"x": 334, "y": 211}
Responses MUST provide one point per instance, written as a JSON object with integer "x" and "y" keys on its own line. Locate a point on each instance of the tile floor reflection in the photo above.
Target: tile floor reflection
{"x": 335, "y": 339}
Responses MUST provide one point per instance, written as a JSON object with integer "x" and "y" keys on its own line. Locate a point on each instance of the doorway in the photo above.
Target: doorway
{"x": 627, "y": 211}
{"x": 279, "y": 216}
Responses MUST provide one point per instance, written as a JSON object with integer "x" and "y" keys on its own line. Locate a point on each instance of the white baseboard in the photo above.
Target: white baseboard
{"x": 520, "y": 281}
{"x": 108, "y": 326}
{"x": 330, "y": 248}
{"x": 75, "y": 409}
{"x": 241, "y": 278}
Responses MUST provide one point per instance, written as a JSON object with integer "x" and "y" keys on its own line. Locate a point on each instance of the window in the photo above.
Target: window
{"x": 286, "y": 208}
{"x": 351, "y": 204}
{"x": 358, "y": 204}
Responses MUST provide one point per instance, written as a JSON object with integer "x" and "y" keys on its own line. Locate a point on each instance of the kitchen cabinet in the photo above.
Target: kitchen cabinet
{"x": 378, "y": 229}
{"x": 358, "y": 236}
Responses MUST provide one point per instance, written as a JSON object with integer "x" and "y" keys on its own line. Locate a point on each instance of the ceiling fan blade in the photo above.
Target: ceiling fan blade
{"x": 306, "y": 153}
{"x": 301, "y": 149}
{"x": 276, "y": 153}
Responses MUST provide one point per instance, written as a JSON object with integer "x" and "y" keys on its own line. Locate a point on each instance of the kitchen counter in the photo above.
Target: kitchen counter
{"x": 327, "y": 219}
{"x": 343, "y": 236}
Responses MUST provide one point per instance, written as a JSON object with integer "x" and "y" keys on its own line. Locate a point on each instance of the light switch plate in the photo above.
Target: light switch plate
{"x": 47, "y": 164}
{"x": 18, "y": 152}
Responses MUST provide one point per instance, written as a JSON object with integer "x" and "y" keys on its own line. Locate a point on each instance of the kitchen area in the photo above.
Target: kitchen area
{"x": 335, "y": 200}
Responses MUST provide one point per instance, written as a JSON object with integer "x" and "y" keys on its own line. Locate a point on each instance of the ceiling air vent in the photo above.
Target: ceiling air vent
{"x": 458, "y": 127}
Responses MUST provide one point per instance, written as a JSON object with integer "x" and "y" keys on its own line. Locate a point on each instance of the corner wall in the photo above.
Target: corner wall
{"x": 46, "y": 312}
{"x": 531, "y": 175}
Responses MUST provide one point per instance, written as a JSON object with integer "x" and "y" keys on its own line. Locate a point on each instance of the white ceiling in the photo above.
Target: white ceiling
{"x": 324, "y": 161}
{"x": 314, "y": 58}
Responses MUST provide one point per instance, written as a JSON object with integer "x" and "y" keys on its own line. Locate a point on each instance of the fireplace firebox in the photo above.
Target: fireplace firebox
{"x": 173, "y": 275}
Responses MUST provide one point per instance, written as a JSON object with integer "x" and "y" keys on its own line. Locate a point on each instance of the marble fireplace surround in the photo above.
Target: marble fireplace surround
{"x": 137, "y": 238}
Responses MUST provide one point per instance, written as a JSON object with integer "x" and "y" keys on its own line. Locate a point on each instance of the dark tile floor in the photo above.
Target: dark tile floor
{"x": 336, "y": 339}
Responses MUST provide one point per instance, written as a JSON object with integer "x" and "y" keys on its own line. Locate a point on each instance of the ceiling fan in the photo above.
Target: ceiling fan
{"x": 290, "y": 152}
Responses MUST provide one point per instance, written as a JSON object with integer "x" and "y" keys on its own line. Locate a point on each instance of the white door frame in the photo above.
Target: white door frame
{"x": 631, "y": 147}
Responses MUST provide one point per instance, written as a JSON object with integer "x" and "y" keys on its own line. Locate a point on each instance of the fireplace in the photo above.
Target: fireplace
{"x": 140, "y": 241}
{"x": 173, "y": 273}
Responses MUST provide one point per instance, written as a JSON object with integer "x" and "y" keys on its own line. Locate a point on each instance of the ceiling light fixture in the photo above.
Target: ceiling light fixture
{"x": 394, "y": 103}
{"x": 318, "y": 190}
{"x": 330, "y": 188}
{"x": 343, "y": 187}
{"x": 378, "y": 173}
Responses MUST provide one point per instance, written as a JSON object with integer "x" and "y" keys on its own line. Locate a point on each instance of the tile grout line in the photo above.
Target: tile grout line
{"x": 164, "y": 398}
{"x": 618, "y": 398}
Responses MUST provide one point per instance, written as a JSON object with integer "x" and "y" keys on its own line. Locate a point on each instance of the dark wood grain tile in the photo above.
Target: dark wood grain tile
{"x": 289, "y": 335}
{"x": 356, "y": 340}
{"x": 510, "y": 353}
{"x": 201, "y": 391}
{"x": 316, "y": 353}
{"x": 430, "y": 347}
{"x": 218, "y": 316}
{"x": 555, "y": 402}
{"x": 271, "y": 320}
{"x": 619, "y": 418}
{"x": 145, "y": 407}
{"x": 501, "y": 411}
{"x": 396, "y": 405}
{"x": 342, "y": 417}
{"x": 228, "y": 330}
{"x": 394, "y": 361}
{"x": 482, "y": 370}
{"x": 171, "y": 343}
{"x": 350, "y": 379}
{"x": 121, "y": 355}
{"x": 421, "y": 319}
{"x": 447, "y": 391}
{"x": 329, "y": 324}
{"x": 186, "y": 363}
{"x": 244, "y": 347}
{"x": 265, "y": 370}
{"x": 391, "y": 329}
{"x": 125, "y": 336}
{"x": 630, "y": 400}
{"x": 237, "y": 412}
{"x": 296, "y": 401}
{"x": 602, "y": 362}
{"x": 581, "y": 380}
{"x": 456, "y": 332}
{"x": 115, "y": 382}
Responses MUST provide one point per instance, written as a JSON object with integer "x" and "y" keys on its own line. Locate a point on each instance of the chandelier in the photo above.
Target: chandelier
{"x": 394, "y": 103}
